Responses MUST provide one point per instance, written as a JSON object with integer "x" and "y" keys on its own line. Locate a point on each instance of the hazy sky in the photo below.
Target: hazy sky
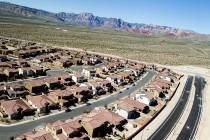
{"x": 185, "y": 14}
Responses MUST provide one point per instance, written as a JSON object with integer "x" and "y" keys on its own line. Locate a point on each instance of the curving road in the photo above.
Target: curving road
{"x": 13, "y": 130}
{"x": 189, "y": 130}
{"x": 162, "y": 132}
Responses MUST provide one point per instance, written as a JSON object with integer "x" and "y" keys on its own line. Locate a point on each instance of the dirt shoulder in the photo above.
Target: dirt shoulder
{"x": 204, "y": 127}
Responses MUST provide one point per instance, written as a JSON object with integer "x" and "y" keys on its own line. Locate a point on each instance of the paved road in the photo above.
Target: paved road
{"x": 162, "y": 132}
{"x": 189, "y": 130}
{"x": 7, "y": 131}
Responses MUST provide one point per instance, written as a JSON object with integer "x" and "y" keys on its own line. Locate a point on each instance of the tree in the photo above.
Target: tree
{"x": 19, "y": 110}
{"x": 46, "y": 108}
{"x": 161, "y": 95}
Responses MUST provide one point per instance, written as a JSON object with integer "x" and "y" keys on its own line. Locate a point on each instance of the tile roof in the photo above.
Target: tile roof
{"x": 69, "y": 126}
{"x": 61, "y": 93}
{"x": 37, "y": 82}
{"x": 131, "y": 104}
{"x": 39, "y": 101}
{"x": 11, "y": 106}
{"x": 38, "y": 135}
{"x": 98, "y": 117}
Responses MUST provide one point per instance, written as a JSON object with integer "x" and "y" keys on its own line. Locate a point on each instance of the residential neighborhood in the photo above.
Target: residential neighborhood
{"x": 104, "y": 70}
{"x": 38, "y": 80}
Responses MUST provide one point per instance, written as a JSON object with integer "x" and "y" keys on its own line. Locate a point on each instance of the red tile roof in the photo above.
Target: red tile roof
{"x": 62, "y": 93}
{"x": 130, "y": 103}
{"x": 11, "y": 106}
{"x": 38, "y": 135}
{"x": 69, "y": 126}
{"x": 39, "y": 101}
{"x": 98, "y": 117}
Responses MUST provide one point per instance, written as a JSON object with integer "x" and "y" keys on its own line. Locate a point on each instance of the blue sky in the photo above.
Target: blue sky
{"x": 185, "y": 14}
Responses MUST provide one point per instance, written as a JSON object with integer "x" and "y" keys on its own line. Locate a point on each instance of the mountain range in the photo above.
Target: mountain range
{"x": 90, "y": 20}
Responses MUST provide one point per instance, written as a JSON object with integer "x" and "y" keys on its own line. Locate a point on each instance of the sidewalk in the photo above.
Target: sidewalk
{"x": 154, "y": 125}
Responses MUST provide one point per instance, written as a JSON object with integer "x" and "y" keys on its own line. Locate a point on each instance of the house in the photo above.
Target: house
{"x": 26, "y": 72}
{"x": 30, "y": 52}
{"x": 78, "y": 61}
{"x": 5, "y": 65}
{"x": 2, "y": 89}
{"x": 5, "y": 51}
{"x": 137, "y": 69}
{"x": 81, "y": 93}
{"x": 161, "y": 84}
{"x": 42, "y": 103}
{"x": 100, "y": 71}
{"x": 89, "y": 59}
{"x": 41, "y": 58}
{"x": 16, "y": 89}
{"x": 3, "y": 92}
{"x": 13, "y": 64}
{"x": 89, "y": 73}
{"x": 67, "y": 63}
{"x": 146, "y": 98}
{"x": 16, "y": 109}
{"x": 55, "y": 127}
{"x": 78, "y": 78}
{"x": 3, "y": 76}
{"x": 127, "y": 76}
{"x": 111, "y": 67}
{"x": 168, "y": 73}
{"x": 39, "y": 71}
{"x": 167, "y": 78}
{"x": 107, "y": 86}
{"x": 11, "y": 73}
{"x": 22, "y": 63}
{"x": 63, "y": 97}
{"x": 99, "y": 122}
{"x": 129, "y": 108}
{"x": 37, "y": 86}
{"x": 156, "y": 90}
{"x": 52, "y": 82}
{"x": 165, "y": 82}
{"x": 95, "y": 87}
{"x": 115, "y": 79}
{"x": 95, "y": 60}
{"x": 65, "y": 79}
{"x": 85, "y": 60}
{"x": 127, "y": 111}
{"x": 66, "y": 129}
{"x": 36, "y": 135}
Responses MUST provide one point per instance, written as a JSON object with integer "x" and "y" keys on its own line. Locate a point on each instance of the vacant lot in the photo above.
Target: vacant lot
{"x": 159, "y": 49}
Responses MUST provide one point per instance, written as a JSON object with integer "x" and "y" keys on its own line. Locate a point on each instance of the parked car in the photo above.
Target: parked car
{"x": 68, "y": 110}
{"x": 88, "y": 104}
